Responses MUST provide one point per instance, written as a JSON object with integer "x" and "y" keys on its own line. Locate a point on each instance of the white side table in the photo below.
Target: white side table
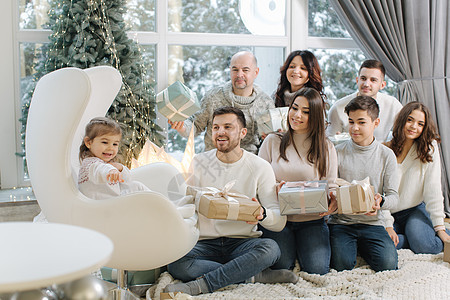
{"x": 36, "y": 255}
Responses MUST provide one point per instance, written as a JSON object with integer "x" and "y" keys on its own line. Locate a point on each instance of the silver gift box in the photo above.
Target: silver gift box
{"x": 273, "y": 120}
{"x": 303, "y": 197}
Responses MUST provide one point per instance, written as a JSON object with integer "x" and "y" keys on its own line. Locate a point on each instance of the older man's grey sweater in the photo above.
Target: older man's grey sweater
{"x": 252, "y": 107}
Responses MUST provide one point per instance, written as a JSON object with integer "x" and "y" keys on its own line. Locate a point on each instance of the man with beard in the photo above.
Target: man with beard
{"x": 241, "y": 93}
{"x": 370, "y": 81}
{"x": 228, "y": 251}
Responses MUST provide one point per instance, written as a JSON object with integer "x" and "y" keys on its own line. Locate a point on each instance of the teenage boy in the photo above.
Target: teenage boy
{"x": 363, "y": 156}
{"x": 230, "y": 251}
{"x": 370, "y": 81}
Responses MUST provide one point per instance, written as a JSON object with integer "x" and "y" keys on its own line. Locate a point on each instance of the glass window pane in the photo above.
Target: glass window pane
{"x": 140, "y": 15}
{"x": 323, "y": 20}
{"x": 29, "y": 55}
{"x": 203, "y": 67}
{"x": 259, "y": 17}
{"x": 339, "y": 72}
{"x": 148, "y": 54}
{"x": 33, "y": 14}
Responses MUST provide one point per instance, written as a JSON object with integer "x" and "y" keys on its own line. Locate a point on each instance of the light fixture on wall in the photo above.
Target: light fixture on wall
{"x": 264, "y": 17}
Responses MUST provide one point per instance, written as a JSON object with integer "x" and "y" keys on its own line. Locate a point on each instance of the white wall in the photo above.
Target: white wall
{"x": 8, "y": 166}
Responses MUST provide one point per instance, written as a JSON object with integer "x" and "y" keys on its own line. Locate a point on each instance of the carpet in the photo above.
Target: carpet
{"x": 420, "y": 276}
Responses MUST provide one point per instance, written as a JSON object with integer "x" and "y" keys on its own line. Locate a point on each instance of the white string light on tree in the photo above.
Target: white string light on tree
{"x": 87, "y": 33}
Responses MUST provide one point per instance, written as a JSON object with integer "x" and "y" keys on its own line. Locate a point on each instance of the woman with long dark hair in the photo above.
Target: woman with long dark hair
{"x": 303, "y": 153}
{"x": 301, "y": 69}
{"x": 418, "y": 220}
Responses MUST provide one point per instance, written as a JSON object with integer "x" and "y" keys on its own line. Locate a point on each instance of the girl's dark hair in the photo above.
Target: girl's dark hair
{"x": 318, "y": 151}
{"x": 424, "y": 141}
{"x": 314, "y": 74}
{"x": 97, "y": 127}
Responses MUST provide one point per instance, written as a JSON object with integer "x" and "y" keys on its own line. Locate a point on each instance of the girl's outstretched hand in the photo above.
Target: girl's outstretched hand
{"x": 114, "y": 176}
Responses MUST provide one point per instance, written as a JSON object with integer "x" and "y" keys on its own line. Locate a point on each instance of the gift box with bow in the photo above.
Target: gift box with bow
{"x": 177, "y": 102}
{"x": 223, "y": 204}
{"x": 273, "y": 120}
{"x": 340, "y": 138}
{"x": 356, "y": 197}
{"x": 303, "y": 197}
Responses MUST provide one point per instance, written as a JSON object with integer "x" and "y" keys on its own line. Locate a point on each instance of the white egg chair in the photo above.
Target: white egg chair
{"x": 147, "y": 229}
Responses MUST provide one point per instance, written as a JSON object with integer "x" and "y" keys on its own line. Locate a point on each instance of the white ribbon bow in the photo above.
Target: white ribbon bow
{"x": 233, "y": 208}
{"x": 164, "y": 97}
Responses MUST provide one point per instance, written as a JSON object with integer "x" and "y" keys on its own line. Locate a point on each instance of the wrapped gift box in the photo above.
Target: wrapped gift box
{"x": 356, "y": 197}
{"x": 340, "y": 138}
{"x": 303, "y": 197}
{"x": 273, "y": 120}
{"x": 224, "y": 205}
{"x": 447, "y": 251}
{"x": 177, "y": 102}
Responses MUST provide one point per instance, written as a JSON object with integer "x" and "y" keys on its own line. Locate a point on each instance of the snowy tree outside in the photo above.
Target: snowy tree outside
{"x": 203, "y": 67}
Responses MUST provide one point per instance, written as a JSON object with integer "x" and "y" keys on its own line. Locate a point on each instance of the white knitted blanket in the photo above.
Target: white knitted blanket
{"x": 420, "y": 276}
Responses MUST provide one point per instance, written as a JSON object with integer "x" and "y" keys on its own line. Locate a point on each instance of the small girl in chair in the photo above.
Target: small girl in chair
{"x": 100, "y": 175}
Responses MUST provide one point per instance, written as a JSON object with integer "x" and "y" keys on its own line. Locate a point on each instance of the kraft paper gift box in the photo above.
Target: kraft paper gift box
{"x": 273, "y": 120}
{"x": 447, "y": 251}
{"x": 303, "y": 197}
{"x": 223, "y": 204}
{"x": 177, "y": 102}
{"x": 356, "y": 197}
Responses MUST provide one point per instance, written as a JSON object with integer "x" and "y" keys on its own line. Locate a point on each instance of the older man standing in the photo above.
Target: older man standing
{"x": 241, "y": 93}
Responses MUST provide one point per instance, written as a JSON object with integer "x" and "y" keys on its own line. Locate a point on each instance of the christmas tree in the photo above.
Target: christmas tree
{"x": 88, "y": 33}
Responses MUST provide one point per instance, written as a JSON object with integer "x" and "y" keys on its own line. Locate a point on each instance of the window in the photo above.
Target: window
{"x": 188, "y": 40}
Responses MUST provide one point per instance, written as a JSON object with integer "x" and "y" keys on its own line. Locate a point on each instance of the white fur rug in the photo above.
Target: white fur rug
{"x": 420, "y": 276}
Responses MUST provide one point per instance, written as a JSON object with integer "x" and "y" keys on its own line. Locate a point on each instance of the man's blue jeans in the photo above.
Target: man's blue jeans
{"x": 309, "y": 242}
{"x": 415, "y": 231}
{"x": 224, "y": 261}
{"x": 372, "y": 242}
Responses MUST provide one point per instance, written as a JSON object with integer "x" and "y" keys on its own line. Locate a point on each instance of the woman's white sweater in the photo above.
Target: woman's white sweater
{"x": 420, "y": 182}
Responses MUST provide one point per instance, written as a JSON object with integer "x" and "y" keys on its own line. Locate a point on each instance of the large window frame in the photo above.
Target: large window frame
{"x": 11, "y": 171}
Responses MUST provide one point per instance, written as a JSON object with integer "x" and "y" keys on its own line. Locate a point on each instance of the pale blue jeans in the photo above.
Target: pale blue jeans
{"x": 415, "y": 231}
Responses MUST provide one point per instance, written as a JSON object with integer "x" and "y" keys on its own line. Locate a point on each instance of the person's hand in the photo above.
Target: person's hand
{"x": 280, "y": 185}
{"x": 114, "y": 176}
{"x": 117, "y": 165}
{"x": 259, "y": 217}
{"x": 178, "y": 126}
{"x": 393, "y": 235}
{"x": 332, "y": 206}
{"x": 443, "y": 236}
{"x": 376, "y": 206}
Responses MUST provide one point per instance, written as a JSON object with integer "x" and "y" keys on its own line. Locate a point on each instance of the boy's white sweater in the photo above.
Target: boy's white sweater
{"x": 389, "y": 108}
{"x": 254, "y": 178}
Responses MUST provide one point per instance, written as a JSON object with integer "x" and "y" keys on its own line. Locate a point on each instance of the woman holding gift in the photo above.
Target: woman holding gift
{"x": 303, "y": 153}
{"x": 301, "y": 69}
{"x": 418, "y": 221}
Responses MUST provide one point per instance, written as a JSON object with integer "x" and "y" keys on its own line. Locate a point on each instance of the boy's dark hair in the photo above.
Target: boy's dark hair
{"x": 373, "y": 64}
{"x": 231, "y": 110}
{"x": 364, "y": 103}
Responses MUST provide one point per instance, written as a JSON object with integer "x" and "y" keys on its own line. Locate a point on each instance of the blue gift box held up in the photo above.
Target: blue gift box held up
{"x": 177, "y": 102}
